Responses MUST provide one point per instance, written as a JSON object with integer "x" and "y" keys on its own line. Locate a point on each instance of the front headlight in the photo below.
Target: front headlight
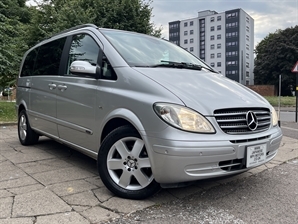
{"x": 274, "y": 116}
{"x": 183, "y": 118}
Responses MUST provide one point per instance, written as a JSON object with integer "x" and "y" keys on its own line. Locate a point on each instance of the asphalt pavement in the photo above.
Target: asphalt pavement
{"x": 51, "y": 183}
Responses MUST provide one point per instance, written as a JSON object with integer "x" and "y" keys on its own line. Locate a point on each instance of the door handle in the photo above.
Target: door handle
{"x": 52, "y": 86}
{"x": 62, "y": 87}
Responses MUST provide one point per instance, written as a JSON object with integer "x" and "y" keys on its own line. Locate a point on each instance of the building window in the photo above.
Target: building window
{"x": 232, "y": 53}
{"x": 191, "y": 49}
{"x": 191, "y": 23}
{"x": 185, "y": 41}
{"x": 219, "y": 27}
{"x": 185, "y": 33}
{"x": 218, "y": 46}
{"x": 212, "y": 28}
{"x": 185, "y": 24}
{"x": 212, "y": 64}
{"x": 218, "y": 55}
{"x": 211, "y": 55}
{"x": 232, "y": 63}
{"x": 232, "y": 25}
{"x": 218, "y": 64}
{"x": 232, "y": 15}
{"x": 218, "y": 36}
{"x": 232, "y": 44}
{"x": 212, "y": 46}
{"x": 247, "y": 74}
{"x": 231, "y": 34}
{"x": 247, "y": 55}
{"x": 218, "y": 18}
{"x": 212, "y": 37}
{"x": 191, "y": 40}
{"x": 212, "y": 19}
{"x": 247, "y": 65}
{"x": 191, "y": 32}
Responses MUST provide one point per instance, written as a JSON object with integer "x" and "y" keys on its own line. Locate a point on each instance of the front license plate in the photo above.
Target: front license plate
{"x": 256, "y": 155}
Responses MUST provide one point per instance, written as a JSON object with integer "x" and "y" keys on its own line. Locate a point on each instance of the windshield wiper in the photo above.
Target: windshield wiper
{"x": 173, "y": 64}
{"x": 183, "y": 65}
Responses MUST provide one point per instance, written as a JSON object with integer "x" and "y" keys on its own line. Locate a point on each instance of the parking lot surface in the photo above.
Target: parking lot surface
{"x": 51, "y": 183}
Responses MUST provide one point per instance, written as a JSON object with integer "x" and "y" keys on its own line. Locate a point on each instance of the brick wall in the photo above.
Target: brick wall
{"x": 264, "y": 90}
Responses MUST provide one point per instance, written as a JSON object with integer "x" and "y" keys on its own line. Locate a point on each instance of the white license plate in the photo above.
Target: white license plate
{"x": 255, "y": 155}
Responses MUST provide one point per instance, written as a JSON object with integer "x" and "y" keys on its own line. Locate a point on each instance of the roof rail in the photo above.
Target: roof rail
{"x": 75, "y": 28}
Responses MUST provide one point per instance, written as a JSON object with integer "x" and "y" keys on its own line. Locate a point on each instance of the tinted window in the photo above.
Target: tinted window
{"x": 28, "y": 65}
{"x": 48, "y": 58}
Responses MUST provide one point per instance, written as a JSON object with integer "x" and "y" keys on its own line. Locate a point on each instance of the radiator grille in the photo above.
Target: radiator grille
{"x": 236, "y": 120}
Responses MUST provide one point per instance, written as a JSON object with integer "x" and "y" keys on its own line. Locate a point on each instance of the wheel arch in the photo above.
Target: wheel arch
{"x": 121, "y": 117}
{"x": 21, "y": 106}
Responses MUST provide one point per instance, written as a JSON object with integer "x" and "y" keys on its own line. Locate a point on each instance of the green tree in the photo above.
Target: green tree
{"x": 13, "y": 14}
{"x": 276, "y": 55}
{"x": 52, "y": 16}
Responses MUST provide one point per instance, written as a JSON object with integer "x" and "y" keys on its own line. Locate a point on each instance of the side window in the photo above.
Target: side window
{"x": 29, "y": 62}
{"x": 48, "y": 58}
{"x": 107, "y": 70}
{"x": 83, "y": 48}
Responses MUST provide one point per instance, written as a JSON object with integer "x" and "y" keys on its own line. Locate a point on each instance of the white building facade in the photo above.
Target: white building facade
{"x": 224, "y": 40}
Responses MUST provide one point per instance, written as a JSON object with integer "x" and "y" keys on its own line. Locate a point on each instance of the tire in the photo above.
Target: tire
{"x": 26, "y": 135}
{"x": 124, "y": 166}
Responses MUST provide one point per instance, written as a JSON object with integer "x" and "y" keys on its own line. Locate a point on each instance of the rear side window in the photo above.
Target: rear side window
{"x": 48, "y": 58}
{"x": 29, "y": 62}
{"x": 44, "y": 60}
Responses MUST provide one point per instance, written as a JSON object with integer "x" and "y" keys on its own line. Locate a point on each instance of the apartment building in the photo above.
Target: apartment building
{"x": 224, "y": 40}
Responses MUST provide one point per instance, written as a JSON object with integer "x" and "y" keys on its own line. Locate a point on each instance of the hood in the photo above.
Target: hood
{"x": 204, "y": 91}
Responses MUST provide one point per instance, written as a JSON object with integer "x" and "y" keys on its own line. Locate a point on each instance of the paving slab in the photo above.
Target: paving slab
{"x": 103, "y": 194}
{"x": 44, "y": 165}
{"x": 20, "y": 182}
{"x": 98, "y": 214}
{"x": 5, "y": 194}
{"x": 84, "y": 199}
{"x": 5, "y": 207}
{"x": 43, "y": 202}
{"x": 62, "y": 175}
{"x": 17, "y": 221}
{"x": 125, "y": 205}
{"x": 26, "y": 189}
{"x": 288, "y": 150}
{"x": 28, "y": 156}
{"x": 71, "y": 187}
{"x": 64, "y": 218}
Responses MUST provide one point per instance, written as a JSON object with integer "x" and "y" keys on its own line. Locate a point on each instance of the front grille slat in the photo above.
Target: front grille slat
{"x": 233, "y": 120}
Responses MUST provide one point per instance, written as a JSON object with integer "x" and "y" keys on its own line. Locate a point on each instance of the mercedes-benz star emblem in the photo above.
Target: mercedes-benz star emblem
{"x": 251, "y": 120}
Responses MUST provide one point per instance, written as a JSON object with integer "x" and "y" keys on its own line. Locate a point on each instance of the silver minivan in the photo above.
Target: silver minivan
{"x": 151, "y": 113}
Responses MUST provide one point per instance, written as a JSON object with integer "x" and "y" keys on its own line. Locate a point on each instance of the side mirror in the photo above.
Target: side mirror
{"x": 82, "y": 67}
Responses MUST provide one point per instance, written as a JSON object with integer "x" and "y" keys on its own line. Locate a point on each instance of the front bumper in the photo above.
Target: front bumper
{"x": 175, "y": 161}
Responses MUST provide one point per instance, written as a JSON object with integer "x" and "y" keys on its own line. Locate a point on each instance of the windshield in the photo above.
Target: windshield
{"x": 143, "y": 50}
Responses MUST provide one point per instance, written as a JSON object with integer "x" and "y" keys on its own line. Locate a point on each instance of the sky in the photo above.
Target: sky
{"x": 268, "y": 15}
